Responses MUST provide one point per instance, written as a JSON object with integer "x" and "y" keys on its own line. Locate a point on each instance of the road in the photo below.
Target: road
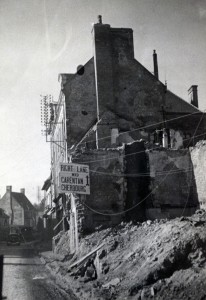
{"x": 25, "y": 277}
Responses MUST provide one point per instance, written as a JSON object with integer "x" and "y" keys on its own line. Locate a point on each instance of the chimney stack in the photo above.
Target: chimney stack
{"x": 193, "y": 95}
{"x": 99, "y": 19}
{"x": 9, "y": 188}
{"x": 156, "y": 74}
{"x": 22, "y": 191}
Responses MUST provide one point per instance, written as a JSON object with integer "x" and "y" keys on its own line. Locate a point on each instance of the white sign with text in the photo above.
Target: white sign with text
{"x": 74, "y": 178}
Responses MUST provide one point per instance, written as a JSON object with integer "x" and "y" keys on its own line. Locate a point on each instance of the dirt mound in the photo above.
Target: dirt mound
{"x": 162, "y": 259}
{"x": 62, "y": 243}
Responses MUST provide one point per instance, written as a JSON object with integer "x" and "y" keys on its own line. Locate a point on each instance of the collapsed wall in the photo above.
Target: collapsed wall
{"x": 172, "y": 184}
{"x": 106, "y": 201}
{"x": 133, "y": 183}
{"x": 198, "y": 156}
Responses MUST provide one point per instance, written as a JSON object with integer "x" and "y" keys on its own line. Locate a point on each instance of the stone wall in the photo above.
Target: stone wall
{"x": 173, "y": 188}
{"x": 80, "y": 98}
{"x": 107, "y": 188}
{"x": 115, "y": 86}
{"x": 144, "y": 184}
{"x": 198, "y": 156}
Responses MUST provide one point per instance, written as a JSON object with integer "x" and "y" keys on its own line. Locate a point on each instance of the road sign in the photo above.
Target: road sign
{"x": 74, "y": 178}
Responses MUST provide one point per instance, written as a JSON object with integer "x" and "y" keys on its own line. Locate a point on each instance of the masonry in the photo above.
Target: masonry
{"x": 115, "y": 91}
{"x": 173, "y": 190}
{"x": 198, "y": 157}
{"x": 106, "y": 202}
{"x": 119, "y": 117}
{"x": 134, "y": 182}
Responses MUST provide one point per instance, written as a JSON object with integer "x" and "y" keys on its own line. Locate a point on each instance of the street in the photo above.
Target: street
{"x": 25, "y": 277}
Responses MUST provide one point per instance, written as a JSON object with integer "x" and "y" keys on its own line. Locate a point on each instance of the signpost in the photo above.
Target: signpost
{"x": 74, "y": 179}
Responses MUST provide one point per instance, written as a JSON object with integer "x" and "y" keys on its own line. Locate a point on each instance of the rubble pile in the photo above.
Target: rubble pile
{"x": 163, "y": 259}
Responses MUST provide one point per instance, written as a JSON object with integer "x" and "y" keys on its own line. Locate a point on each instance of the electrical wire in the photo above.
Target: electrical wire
{"x": 143, "y": 127}
{"x": 138, "y": 152}
{"x": 129, "y": 209}
{"x": 145, "y": 198}
{"x": 142, "y": 174}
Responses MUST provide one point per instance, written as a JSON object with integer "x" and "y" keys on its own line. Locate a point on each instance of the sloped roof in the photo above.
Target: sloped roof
{"x": 23, "y": 201}
{"x": 70, "y": 77}
{"x": 186, "y": 103}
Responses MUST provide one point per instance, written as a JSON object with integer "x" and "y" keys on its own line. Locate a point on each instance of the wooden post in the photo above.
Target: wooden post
{"x": 76, "y": 226}
{"x": 74, "y": 239}
{"x": 72, "y": 248}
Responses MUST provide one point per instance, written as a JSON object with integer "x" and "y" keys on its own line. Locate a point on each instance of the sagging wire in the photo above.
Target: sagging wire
{"x": 145, "y": 198}
{"x": 138, "y": 152}
{"x": 143, "y": 127}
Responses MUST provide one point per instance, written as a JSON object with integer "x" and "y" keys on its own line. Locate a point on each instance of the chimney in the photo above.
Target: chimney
{"x": 156, "y": 74}
{"x": 9, "y": 188}
{"x": 99, "y": 19}
{"x": 113, "y": 47}
{"x": 22, "y": 191}
{"x": 193, "y": 95}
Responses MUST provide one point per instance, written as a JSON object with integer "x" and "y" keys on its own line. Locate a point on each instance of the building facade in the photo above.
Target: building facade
{"x": 19, "y": 209}
{"x": 108, "y": 105}
{"x": 49, "y": 215}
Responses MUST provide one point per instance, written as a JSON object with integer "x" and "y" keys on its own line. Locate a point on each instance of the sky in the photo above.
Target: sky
{"x": 41, "y": 38}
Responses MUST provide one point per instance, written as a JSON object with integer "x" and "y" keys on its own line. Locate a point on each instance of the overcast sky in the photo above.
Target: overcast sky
{"x": 41, "y": 38}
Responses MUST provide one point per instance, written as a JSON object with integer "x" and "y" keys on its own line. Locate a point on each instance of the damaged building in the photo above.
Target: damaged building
{"x": 120, "y": 119}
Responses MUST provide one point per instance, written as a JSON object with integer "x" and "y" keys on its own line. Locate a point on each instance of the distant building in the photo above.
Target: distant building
{"x": 19, "y": 209}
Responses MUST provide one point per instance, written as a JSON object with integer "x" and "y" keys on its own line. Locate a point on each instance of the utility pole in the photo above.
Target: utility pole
{"x": 74, "y": 229}
{"x": 74, "y": 237}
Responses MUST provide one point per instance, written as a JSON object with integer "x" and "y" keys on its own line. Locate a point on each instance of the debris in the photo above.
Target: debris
{"x": 113, "y": 282}
{"x": 105, "y": 269}
{"x": 85, "y": 257}
{"x": 90, "y": 273}
{"x": 152, "y": 291}
{"x": 114, "y": 246}
{"x": 102, "y": 254}
{"x": 165, "y": 259}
